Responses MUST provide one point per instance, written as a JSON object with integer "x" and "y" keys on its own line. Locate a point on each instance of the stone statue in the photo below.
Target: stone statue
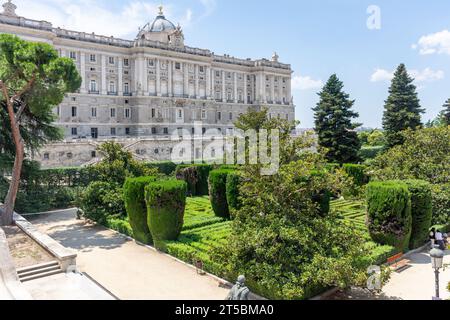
{"x": 239, "y": 292}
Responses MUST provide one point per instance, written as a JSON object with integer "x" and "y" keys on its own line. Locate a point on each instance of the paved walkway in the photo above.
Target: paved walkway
{"x": 126, "y": 269}
{"x": 417, "y": 282}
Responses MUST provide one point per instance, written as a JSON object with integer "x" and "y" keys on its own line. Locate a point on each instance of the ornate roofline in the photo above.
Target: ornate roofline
{"x": 111, "y": 41}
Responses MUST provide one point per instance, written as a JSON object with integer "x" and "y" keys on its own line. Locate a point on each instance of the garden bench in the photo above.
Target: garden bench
{"x": 397, "y": 263}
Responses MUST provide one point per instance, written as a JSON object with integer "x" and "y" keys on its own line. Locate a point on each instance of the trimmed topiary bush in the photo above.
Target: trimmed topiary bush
{"x": 357, "y": 172}
{"x": 421, "y": 211}
{"x": 165, "y": 167}
{"x": 196, "y": 177}
{"x": 441, "y": 203}
{"x": 389, "y": 213}
{"x": 218, "y": 192}
{"x": 134, "y": 197}
{"x": 234, "y": 180}
{"x": 166, "y": 201}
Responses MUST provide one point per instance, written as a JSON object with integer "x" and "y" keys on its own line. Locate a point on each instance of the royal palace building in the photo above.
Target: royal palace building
{"x": 141, "y": 91}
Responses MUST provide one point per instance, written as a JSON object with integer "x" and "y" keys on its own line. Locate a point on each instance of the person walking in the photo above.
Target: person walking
{"x": 433, "y": 237}
{"x": 440, "y": 240}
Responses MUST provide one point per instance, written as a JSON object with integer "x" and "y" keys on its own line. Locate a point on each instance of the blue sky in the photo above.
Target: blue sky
{"x": 318, "y": 38}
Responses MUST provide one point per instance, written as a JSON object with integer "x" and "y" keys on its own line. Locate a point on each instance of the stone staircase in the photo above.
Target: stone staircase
{"x": 39, "y": 271}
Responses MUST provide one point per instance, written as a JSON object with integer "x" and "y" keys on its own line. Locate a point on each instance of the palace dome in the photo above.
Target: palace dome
{"x": 161, "y": 24}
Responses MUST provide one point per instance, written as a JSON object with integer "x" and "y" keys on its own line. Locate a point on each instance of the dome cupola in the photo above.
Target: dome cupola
{"x": 158, "y": 30}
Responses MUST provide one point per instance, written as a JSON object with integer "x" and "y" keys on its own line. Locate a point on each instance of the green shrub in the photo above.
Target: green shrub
{"x": 218, "y": 192}
{"x": 421, "y": 211}
{"x": 120, "y": 225}
{"x": 332, "y": 167}
{"x": 196, "y": 177}
{"x": 166, "y": 201}
{"x": 369, "y": 153}
{"x": 323, "y": 197}
{"x": 357, "y": 172}
{"x": 234, "y": 180}
{"x": 441, "y": 203}
{"x": 389, "y": 213}
{"x": 164, "y": 167}
{"x": 102, "y": 200}
{"x": 134, "y": 197}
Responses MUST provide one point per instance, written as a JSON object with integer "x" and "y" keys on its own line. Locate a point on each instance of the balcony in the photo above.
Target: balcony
{"x": 110, "y": 93}
{"x": 219, "y": 100}
{"x": 94, "y": 92}
{"x": 127, "y": 94}
{"x": 230, "y": 101}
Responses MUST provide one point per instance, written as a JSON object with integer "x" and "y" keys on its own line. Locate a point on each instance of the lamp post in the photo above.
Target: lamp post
{"x": 437, "y": 259}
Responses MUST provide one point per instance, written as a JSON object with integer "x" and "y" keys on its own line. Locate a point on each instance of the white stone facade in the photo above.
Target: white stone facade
{"x": 154, "y": 85}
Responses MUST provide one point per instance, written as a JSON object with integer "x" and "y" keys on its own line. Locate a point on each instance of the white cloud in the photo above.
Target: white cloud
{"x": 435, "y": 43}
{"x": 421, "y": 76}
{"x": 305, "y": 83}
{"x": 381, "y": 75}
{"x": 98, "y": 17}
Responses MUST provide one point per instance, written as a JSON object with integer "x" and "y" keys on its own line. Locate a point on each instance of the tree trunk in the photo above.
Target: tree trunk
{"x": 6, "y": 214}
{"x": 6, "y": 217}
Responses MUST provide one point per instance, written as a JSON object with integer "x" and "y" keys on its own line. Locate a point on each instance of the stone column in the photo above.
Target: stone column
{"x": 104, "y": 89}
{"x": 63, "y": 53}
{"x": 272, "y": 90}
{"x": 158, "y": 77}
{"x": 136, "y": 77}
{"x": 186, "y": 79}
{"x": 235, "y": 88}
{"x": 144, "y": 75}
{"x": 197, "y": 88}
{"x": 224, "y": 88}
{"x": 263, "y": 88}
{"x": 120, "y": 76}
{"x": 245, "y": 89}
{"x": 280, "y": 89}
{"x": 83, "y": 72}
{"x": 169, "y": 80}
{"x": 208, "y": 82}
{"x": 288, "y": 90}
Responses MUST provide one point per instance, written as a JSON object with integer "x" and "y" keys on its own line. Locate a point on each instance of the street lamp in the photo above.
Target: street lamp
{"x": 437, "y": 259}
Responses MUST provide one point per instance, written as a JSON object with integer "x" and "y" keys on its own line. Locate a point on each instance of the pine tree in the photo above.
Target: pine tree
{"x": 333, "y": 123}
{"x": 446, "y": 113}
{"x": 402, "y": 108}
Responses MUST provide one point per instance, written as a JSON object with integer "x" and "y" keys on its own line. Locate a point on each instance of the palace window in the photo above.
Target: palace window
{"x": 93, "y": 86}
{"x": 166, "y": 130}
{"x": 74, "y": 111}
{"x": 153, "y": 113}
{"x": 111, "y": 60}
{"x": 70, "y": 155}
{"x": 180, "y": 114}
{"x": 217, "y": 73}
{"x": 177, "y": 66}
{"x": 112, "y": 87}
{"x": 73, "y": 55}
{"x": 202, "y": 69}
{"x": 94, "y": 112}
{"x": 126, "y": 62}
{"x": 231, "y": 116}
{"x": 74, "y": 131}
{"x": 93, "y": 154}
{"x": 219, "y": 115}
{"x": 92, "y": 58}
{"x": 113, "y": 131}
{"x": 126, "y": 87}
{"x": 46, "y": 156}
{"x": 113, "y": 112}
{"x": 151, "y": 63}
{"x": 203, "y": 114}
{"x": 229, "y": 75}
{"x": 127, "y": 131}
{"x": 153, "y": 130}
{"x": 127, "y": 113}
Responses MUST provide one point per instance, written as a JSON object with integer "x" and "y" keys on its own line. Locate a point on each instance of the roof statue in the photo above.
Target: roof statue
{"x": 9, "y": 9}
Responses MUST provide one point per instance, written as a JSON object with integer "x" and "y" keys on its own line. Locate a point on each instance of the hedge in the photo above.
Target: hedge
{"x": 441, "y": 203}
{"x": 234, "y": 180}
{"x": 166, "y": 201}
{"x": 421, "y": 211}
{"x": 165, "y": 167}
{"x": 217, "y": 182}
{"x": 389, "y": 213}
{"x": 134, "y": 197}
{"x": 357, "y": 172}
{"x": 196, "y": 177}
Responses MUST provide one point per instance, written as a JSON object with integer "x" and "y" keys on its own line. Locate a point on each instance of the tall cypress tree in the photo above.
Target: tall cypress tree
{"x": 402, "y": 107}
{"x": 446, "y": 113}
{"x": 333, "y": 123}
